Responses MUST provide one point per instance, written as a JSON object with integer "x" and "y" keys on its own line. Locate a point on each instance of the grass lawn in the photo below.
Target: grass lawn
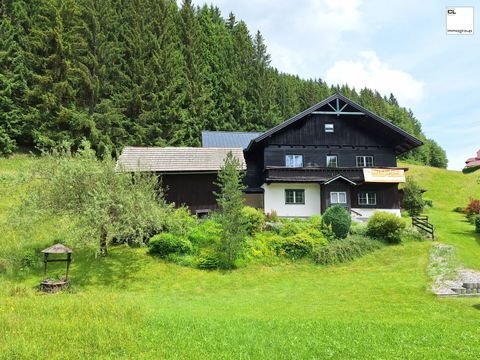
{"x": 130, "y": 305}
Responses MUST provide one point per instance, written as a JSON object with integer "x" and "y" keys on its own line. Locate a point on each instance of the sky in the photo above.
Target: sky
{"x": 396, "y": 46}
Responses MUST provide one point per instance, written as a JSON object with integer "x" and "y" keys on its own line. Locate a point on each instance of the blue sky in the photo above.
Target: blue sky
{"x": 392, "y": 46}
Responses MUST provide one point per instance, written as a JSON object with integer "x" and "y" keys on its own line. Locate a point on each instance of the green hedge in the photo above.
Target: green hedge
{"x": 345, "y": 250}
{"x": 165, "y": 244}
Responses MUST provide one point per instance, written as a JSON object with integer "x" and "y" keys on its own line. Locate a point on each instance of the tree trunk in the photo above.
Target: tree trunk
{"x": 103, "y": 241}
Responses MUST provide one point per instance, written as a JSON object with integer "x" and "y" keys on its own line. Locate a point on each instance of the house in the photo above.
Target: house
{"x": 335, "y": 152}
{"x": 472, "y": 164}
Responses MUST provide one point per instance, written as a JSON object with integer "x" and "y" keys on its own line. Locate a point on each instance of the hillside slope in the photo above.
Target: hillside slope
{"x": 131, "y": 305}
{"x": 448, "y": 190}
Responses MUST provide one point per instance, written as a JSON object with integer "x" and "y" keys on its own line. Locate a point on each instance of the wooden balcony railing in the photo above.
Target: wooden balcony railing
{"x": 277, "y": 173}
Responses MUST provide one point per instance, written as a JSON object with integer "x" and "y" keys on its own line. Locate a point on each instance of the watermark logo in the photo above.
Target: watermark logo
{"x": 459, "y": 20}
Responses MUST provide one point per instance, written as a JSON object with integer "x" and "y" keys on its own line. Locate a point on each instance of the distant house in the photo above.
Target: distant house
{"x": 472, "y": 164}
{"x": 335, "y": 152}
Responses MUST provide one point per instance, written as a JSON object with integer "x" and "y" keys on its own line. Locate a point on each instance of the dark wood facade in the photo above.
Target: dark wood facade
{"x": 356, "y": 133}
{"x": 195, "y": 190}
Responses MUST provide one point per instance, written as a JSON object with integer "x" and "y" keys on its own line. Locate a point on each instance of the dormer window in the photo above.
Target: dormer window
{"x": 294, "y": 161}
{"x": 329, "y": 128}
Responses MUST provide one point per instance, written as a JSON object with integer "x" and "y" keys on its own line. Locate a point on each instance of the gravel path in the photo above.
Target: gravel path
{"x": 446, "y": 272}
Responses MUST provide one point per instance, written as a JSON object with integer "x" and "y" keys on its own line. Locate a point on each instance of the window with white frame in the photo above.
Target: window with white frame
{"x": 332, "y": 161}
{"x": 294, "y": 196}
{"x": 329, "y": 128}
{"x": 338, "y": 197}
{"x": 364, "y": 161}
{"x": 294, "y": 161}
{"x": 367, "y": 198}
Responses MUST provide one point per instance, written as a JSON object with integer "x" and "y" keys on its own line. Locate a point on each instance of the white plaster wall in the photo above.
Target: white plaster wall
{"x": 366, "y": 213}
{"x": 274, "y": 199}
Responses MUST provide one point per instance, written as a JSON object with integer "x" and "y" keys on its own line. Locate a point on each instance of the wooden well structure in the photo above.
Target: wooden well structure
{"x": 49, "y": 255}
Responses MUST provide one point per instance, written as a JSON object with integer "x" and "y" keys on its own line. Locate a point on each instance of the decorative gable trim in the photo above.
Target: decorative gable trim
{"x": 338, "y": 104}
{"x": 339, "y": 177}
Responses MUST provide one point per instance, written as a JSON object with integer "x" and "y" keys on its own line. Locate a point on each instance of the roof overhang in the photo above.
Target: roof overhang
{"x": 338, "y": 105}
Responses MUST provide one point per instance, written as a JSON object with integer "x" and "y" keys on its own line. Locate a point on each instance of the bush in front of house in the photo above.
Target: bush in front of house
{"x": 358, "y": 228}
{"x": 385, "y": 226}
{"x": 292, "y": 227}
{"x": 338, "y": 219}
{"x": 472, "y": 210}
{"x": 412, "y": 234}
{"x": 477, "y": 224}
{"x": 208, "y": 259}
{"x": 340, "y": 251}
{"x": 254, "y": 220}
{"x": 206, "y": 234}
{"x": 412, "y": 198}
{"x": 297, "y": 246}
{"x": 180, "y": 222}
{"x": 165, "y": 244}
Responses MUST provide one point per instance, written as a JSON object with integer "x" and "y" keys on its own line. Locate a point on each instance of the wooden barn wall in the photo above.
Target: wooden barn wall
{"x": 254, "y": 178}
{"x": 193, "y": 190}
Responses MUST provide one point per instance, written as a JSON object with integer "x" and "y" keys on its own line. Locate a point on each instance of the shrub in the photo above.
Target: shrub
{"x": 459, "y": 209}
{"x": 385, "y": 226}
{"x": 265, "y": 244}
{"x": 315, "y": 221}
{"x": 291, "y": 227}
{"x": 412, "y": 198}
{"x": 165, "y": 243}
{"x": 477, "y": 224}
{"x": 206, "y": 234}
{"x": 412, "y": 234}
{"x": 274, "y": 226}
{"x": 254, "y": 220}
{"x": 338, "y": 218}
{"x": 180, "y": 222}
{"x": 341, "y": 251}
{"x": 272, "y": 217}
{"x": 208, "y": 259}
{"x": 473, "y": 207}
{"x": 358, "y": 228}
{"x": 297, "y": 246}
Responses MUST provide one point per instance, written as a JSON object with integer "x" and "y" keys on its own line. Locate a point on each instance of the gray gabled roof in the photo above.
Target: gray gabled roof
{"x": 231, "y": 139}
{"x": 409, "y": 143}
{"x": 175, "y": 159}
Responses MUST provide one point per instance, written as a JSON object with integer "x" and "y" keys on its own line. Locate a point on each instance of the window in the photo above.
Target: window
{"x": 367, "y": 198}
{"x": 338, "y": 197}
{"x": 364, "y": 161}
{"x": 294, "y": 161}
{"x": 329, "y": 128}
{"x": 332, "y": 161}
{"x": 294, "y": 196}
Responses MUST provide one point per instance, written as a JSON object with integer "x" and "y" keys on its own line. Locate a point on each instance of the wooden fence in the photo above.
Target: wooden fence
{"x": 421, "y": 223}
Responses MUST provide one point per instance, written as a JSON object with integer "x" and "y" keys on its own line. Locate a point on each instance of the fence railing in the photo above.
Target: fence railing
{"x": 421, "y": 223}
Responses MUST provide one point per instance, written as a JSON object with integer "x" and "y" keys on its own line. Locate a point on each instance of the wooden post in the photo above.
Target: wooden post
{"x": 45, "y": 260}
{"x": 69, "y": 259}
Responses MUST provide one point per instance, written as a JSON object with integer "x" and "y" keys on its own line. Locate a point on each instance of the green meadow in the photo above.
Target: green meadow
{"x": 131, "y": 305}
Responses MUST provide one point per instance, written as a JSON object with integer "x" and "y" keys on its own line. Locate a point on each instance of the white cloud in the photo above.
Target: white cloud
{"x": 369, "y": 71}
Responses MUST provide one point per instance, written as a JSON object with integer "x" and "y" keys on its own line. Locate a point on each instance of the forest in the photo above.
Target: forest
{"x": 151, "y": 73}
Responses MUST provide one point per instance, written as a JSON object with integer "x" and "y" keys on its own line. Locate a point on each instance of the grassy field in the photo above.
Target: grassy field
{"x": 130, "y": 305}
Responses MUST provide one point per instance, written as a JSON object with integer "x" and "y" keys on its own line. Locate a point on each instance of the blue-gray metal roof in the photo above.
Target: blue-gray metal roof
{"x": 228, "y": 139}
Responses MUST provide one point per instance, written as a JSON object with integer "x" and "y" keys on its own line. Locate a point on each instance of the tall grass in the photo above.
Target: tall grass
{"x": 133, "y": 306}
